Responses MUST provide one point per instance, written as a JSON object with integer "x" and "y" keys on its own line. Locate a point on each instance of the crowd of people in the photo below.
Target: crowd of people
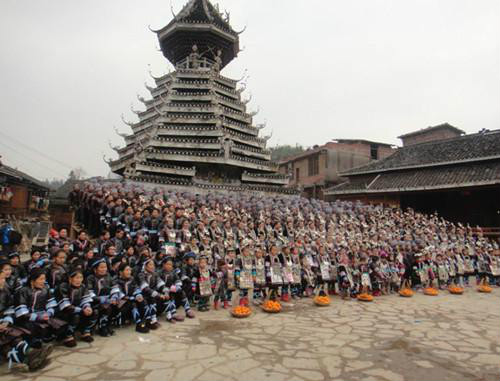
{"x": 155, "y": 252}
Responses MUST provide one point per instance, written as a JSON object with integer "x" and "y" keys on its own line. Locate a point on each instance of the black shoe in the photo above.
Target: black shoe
{"x": 104, "y": 332}
{"x": 87, "y": 338}
{"x": 48, "y": 349}
{"x": 70, "y": 342}
{"x": 142, "y": 328}
{"x": 36, "y": 359}
{"x": 153, "y": 326}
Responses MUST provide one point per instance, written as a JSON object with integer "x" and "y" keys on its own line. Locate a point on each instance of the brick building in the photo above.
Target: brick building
{"x": 429, "y": 134}
{"x": 319, "y": 167}
{"x": 457, "y": 176}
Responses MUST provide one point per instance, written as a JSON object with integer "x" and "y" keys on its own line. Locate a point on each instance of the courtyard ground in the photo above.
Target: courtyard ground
{"x": 440, "y": 338}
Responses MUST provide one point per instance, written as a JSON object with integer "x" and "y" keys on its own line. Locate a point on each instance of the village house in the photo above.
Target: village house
{"x": 318, "y": 168}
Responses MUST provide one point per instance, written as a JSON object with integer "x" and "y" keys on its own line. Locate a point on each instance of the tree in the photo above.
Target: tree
{"x": 53, "y": 184}
{"x": 77, "y": 174}
{"x": 284, "y": 151}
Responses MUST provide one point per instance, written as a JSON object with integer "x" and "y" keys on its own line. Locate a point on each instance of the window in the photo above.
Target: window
{"x": 297, "y": 174}
{"x": 313, "y": 162}
{"x": 374, "y": 151}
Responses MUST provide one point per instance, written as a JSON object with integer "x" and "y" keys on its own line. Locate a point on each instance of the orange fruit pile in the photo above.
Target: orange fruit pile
{"x": 484, "y": 288}
{"x": 365, "y": 297}
{"x": 431, "y": 291}
{"x": 456, "y": 290}
{"x": 241, "y": 311}
{"x": 406, "y": 292}
{"x": 322, "y": 300}
{"x": 271, "y": 306}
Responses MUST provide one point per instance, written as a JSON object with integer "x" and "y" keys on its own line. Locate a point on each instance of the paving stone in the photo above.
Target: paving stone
{"x": 201, "y": 351}
{"x": 157, "y": 375}
{"x": 300, "y": 363}
{"x": 384, "y": 373}
{"x": 424, "y": 364}
{"x": 407, "y": 341}
{"x": 487, "y": 359}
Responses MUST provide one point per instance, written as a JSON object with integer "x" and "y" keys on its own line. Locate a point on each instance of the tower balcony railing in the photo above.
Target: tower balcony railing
{"x": 204, "y": 64}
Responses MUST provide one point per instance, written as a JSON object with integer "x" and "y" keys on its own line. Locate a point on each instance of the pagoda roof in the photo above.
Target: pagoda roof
{"x": 201, "y": 11}
{"x": 198, "y": 23}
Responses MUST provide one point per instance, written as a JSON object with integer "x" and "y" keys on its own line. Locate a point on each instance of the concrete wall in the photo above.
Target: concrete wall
{"x": 334, "y": 158}
{"x": 438, "y": 134}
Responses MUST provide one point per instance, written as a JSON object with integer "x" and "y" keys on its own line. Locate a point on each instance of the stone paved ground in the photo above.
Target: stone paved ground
{"x": 421, "y": 338}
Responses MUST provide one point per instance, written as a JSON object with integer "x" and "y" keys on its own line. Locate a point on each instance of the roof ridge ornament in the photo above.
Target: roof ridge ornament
{"x": 127, "y": 123}
{"x": 241, "y": 31}
{"x": 108, "y": 162}
{"x": 207, "y": 11}
{"x": 137, "y": 112}
{"x": 172, "y": 10}
{"x": 121, "y": 134}
{"x": 114, "y": 148}
{"x": 153, "y": 30}
{"x": 246, "y": 101}
{"x": 261, "y": 126}
{"x": 253, "y": 113}
{"x": 245, "y": 73}
{"x": 266, "y": 138}
{"x": 242, "y": 88}
{"x": 149, "y": 88}
{"x": 151, "y": 73}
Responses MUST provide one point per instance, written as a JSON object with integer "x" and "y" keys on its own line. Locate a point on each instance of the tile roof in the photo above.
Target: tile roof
{"x": 11, "y": 172}
{"x": 453, "y": 176}
{"x": 467, "y": 148}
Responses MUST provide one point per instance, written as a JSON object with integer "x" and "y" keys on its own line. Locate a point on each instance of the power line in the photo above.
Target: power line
{"x": 35, "y": 150}
{"x": 34, "y": 161}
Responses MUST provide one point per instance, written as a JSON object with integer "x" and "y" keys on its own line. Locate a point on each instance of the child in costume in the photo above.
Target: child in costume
{"x": 259, "y": 290}
{"x": 220, "y": 293}
{"x": 188, "y": 273}
{"x": 442, "y": 272}
{"x": 230, "y": 276}
{"x": 202, "y": 284}
{"x": 274, "y": 277}
{"x": 324, "y": 274}
{"x": 245, "y": 272}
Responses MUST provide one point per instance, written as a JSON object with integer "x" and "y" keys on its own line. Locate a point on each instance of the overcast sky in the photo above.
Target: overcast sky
{"x": 318, "y": 70}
